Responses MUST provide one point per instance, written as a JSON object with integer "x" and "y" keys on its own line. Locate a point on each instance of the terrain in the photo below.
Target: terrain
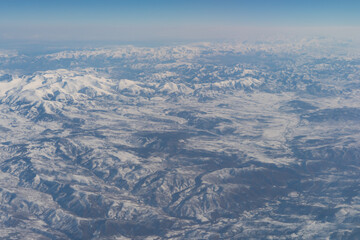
{"x": 230, "y": 140}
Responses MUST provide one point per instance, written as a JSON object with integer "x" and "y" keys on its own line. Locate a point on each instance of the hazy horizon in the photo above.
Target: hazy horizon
{"x": 151, "y": 21}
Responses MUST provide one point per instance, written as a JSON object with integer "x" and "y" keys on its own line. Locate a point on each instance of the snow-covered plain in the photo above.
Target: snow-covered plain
{"x": 198, "y": 141}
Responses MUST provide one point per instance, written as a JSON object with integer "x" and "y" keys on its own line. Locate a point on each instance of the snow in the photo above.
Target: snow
{"x": 132, "y": 87}
{"x": 170, "y": 134}
{"x": 66, "y": 85}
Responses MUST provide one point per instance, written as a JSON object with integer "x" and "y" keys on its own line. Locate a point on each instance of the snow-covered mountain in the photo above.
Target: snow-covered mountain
{"x": 199, "y": 141}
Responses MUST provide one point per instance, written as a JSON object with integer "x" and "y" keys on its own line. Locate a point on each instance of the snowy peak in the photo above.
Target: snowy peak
{"x": 56, "y": 85}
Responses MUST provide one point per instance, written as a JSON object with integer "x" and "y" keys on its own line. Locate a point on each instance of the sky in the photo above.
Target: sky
{"x": 150, "y": 20}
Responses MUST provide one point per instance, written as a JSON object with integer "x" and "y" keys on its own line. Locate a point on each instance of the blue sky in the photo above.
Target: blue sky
{"x": 168, "y": 19}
